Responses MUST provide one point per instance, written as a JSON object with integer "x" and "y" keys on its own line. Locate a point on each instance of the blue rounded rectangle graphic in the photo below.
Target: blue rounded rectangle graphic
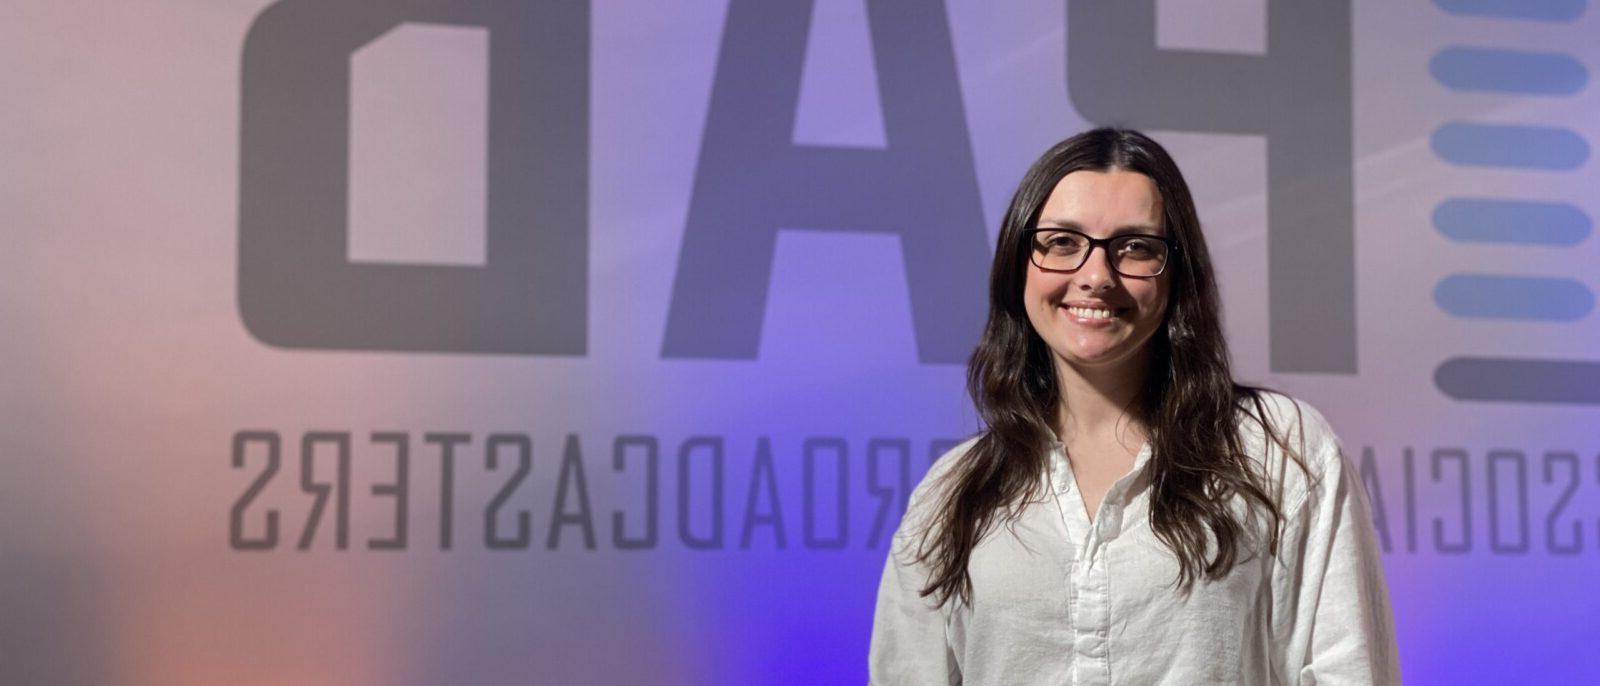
{"x": 1498, "y": 220}
{"x": 1495, "y": 296}
{"x": 1505, "y": 145}
{"x": 1508, "y": 71}
{"x": 1540, "y": 10}
{"x": 1519, "y": 380}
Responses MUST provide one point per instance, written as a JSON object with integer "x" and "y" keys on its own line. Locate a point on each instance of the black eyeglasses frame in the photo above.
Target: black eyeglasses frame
{"x": 1031, "y": 244}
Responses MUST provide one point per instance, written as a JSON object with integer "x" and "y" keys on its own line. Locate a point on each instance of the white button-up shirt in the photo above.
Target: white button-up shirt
{"x": 1058, "y": 599}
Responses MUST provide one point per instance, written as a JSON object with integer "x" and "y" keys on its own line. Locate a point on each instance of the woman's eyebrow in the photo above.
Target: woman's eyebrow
{"x": 1069, "y": 224}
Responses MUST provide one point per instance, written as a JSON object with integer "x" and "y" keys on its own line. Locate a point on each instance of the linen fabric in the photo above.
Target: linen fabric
{"x": 1060, "y": 599}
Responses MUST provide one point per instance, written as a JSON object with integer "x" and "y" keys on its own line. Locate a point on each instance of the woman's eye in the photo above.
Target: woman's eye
{"x": 1065, "y": 242}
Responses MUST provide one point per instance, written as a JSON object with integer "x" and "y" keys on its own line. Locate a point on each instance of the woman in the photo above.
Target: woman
{"x": 1130, "y": 514}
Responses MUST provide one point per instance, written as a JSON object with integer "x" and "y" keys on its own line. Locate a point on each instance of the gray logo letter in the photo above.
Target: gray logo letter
{"x": 1298, "y": 96}
{"x": 296, "y": 287}
{"x": 752, "y": 180}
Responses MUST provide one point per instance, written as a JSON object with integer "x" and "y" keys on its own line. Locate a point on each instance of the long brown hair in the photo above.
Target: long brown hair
{"x": 1190, "y": 404}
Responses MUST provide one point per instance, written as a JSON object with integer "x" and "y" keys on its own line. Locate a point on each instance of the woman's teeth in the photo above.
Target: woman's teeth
{"x": 1088, "y": 313}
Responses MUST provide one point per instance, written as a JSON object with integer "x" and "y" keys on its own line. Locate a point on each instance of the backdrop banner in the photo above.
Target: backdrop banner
{"x": 565, "y": 342}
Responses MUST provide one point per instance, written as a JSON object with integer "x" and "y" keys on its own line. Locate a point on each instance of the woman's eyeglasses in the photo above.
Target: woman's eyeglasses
{"x": 1137, "y": 255}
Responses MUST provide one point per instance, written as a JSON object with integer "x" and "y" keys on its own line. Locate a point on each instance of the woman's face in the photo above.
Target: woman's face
{"x": 1100, "y": 204}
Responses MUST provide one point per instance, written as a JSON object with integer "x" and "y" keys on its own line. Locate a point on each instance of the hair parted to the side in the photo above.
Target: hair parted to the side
{"x": 1191, "y": 407}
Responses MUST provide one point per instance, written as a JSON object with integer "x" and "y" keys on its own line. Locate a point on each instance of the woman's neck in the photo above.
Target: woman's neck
{"x": 1101, "y": 402}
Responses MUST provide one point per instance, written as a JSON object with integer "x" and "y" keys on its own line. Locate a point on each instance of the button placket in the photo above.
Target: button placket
{"x": 1090, "y": 625}
{"x": 1086, "y": 605}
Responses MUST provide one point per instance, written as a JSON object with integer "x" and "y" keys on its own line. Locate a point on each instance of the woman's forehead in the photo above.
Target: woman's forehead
{"x": 1103, "y": 201}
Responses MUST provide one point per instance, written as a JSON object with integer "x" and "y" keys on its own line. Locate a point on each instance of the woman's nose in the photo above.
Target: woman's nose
{"x": 1096, "y": 272}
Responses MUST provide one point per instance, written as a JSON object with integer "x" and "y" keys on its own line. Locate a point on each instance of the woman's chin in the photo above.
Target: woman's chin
{"x": 1094, "y": 359}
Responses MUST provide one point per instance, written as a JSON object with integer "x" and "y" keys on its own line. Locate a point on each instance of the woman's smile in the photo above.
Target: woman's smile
{"x": 1095, "y": 316}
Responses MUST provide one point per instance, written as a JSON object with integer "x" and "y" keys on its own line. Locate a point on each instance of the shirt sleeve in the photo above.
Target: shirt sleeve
{"x": 908, "y": 630}
{"x": 910, "y": 644}
{"x": 1340, "y": 628}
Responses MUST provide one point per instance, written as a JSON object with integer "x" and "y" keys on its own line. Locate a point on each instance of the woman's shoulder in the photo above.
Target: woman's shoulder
{"x": 941, "y": 468}
{"x": 924, "y": 499}
{"x": 1286, "y": 414}
{"x": 948, "y": 460}
{"x": 1301, "y": 447}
